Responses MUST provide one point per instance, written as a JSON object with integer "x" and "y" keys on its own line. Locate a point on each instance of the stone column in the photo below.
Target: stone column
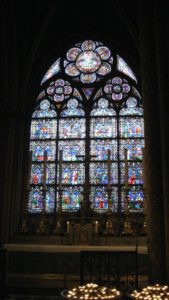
{"x": 153, "y": 159}
{"x": 161, "y": 13}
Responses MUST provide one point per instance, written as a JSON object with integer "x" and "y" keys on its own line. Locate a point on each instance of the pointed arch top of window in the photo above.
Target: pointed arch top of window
{"x": 102, "y": 109}
{"x": 53, "y": 70}
{"x": 123, "y": 67}
{"x": 44, "y": 111}
{"x": 131, "y": 108}
{"x": 72, "y": 109}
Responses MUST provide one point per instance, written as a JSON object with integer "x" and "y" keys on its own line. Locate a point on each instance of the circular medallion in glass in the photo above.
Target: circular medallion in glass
{"x": 51, "y": 90}
{"x": 88, "y": 45}
{"x": 59, "y": 90}
{"x": 88, "y": 61}
{"x": 73, "y": 53}
{"x": 117, "y": 88}
{"x": 131, "y": 102}
{"x": 59, "y": 82}
{"x": 45, "y": 104}
{"x": 103, "y": 103}
{"x": 73, "y": 103}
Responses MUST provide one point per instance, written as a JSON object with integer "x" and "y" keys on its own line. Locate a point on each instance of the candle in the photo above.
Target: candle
{"x": 68, "y": 227}
{"x": 29, "y": 170}
{"x": 44, "y": 170}
{"x": 60, "y": 169}
{"x": 126, "y": 167}
{"x": 96, "y": 227}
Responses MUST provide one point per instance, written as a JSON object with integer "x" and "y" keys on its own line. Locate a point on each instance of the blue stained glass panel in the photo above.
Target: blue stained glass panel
{"x": 72, "y": 128}
{"x": 99, "y": 199}
{"x": 72, "y": 112}
{"x": 44, "y": 114}
{"x": 134, "y": 147}
{"x": 99, "y": 173}
{"x": 131, "y": 127}
{"x": 38, "y": 149}
{"x": 71, "y": 149}
{"x": 100, "y": 148}
{"x": 37, "y": 173}
{"x": 103, "y": 128}
{"x": 72, "y": 173}
{"x": 71, "y": 198}
{"x": 42, "y": 129}
{"x": 135, "y": 173}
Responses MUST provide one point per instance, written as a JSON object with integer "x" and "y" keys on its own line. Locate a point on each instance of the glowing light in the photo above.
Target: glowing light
{"x": 93, "y": 292}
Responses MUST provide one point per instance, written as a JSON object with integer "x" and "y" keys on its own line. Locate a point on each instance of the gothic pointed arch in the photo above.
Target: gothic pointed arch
{"x": 90, "y": 109}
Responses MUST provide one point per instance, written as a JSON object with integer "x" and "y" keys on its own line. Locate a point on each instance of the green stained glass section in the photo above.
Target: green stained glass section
{"x": 71, "y": 198}
{"x": 135, "y": 198}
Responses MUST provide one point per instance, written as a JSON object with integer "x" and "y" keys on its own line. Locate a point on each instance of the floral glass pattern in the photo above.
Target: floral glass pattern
{"x": 59, "y": 90}
{"x": 117, "y": 88}
{"x": 88, "y": 62}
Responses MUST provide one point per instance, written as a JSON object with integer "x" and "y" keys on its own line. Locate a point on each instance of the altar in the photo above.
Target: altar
{"x": 60, "y": 266}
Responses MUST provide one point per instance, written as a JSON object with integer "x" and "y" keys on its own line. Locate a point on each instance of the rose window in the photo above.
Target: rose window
{"x": 59, "y": 90}
{"x": 88, "y": 62}
{"x": 118, "y": 88}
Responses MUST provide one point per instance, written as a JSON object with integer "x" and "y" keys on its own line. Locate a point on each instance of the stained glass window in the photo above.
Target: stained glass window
{"x": 90, "y": 110}
{"x": 124, "y": 68}
{"x": 88, "y": 61}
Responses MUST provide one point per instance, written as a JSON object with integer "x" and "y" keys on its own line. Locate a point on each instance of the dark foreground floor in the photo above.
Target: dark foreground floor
{"x": 33, "y": 294}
